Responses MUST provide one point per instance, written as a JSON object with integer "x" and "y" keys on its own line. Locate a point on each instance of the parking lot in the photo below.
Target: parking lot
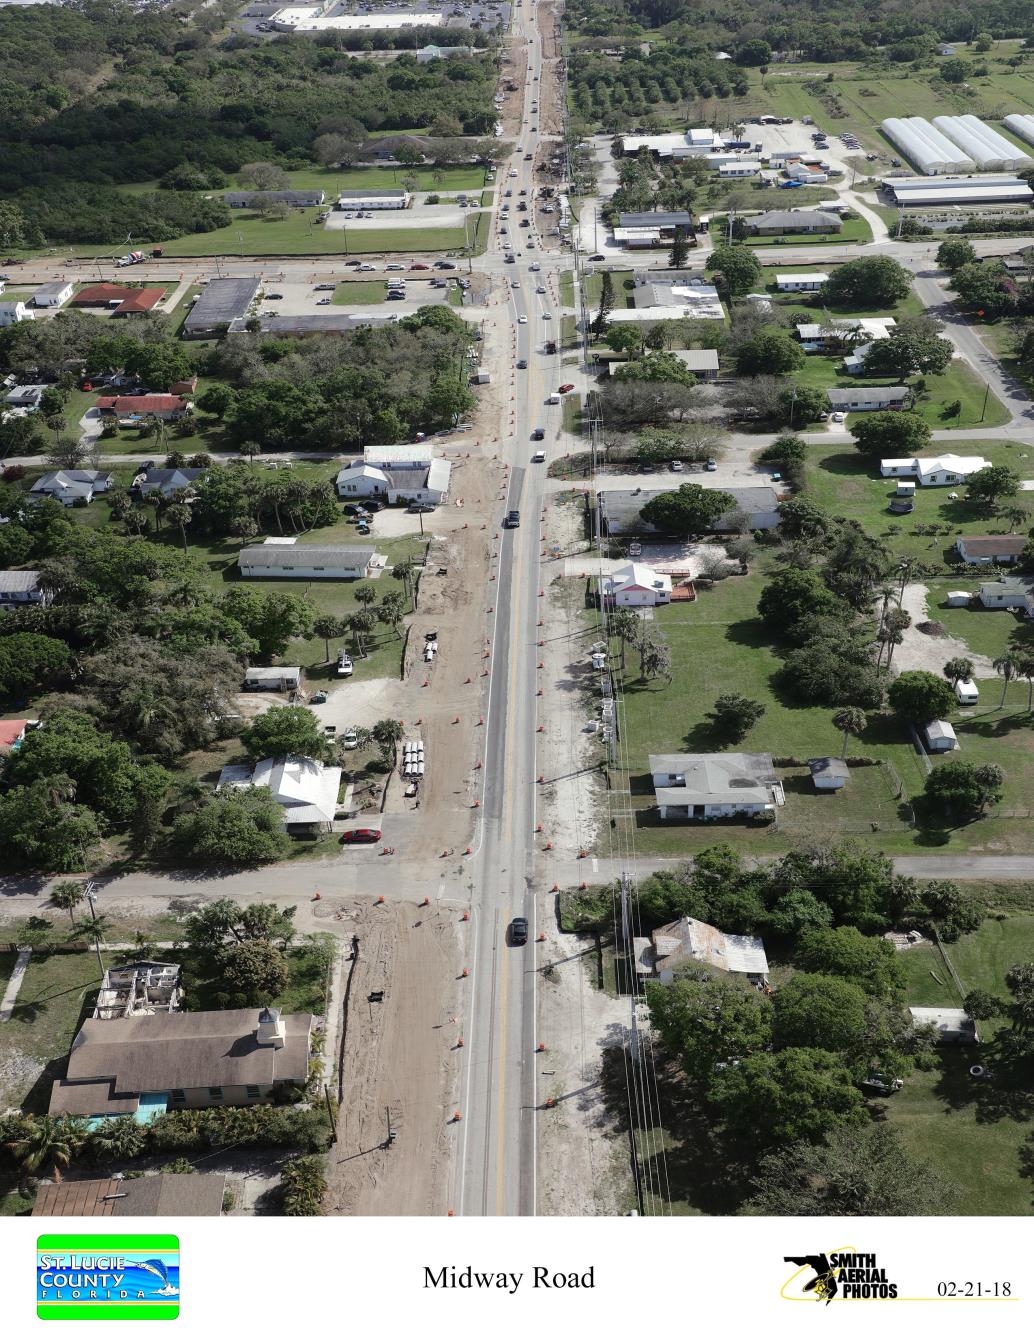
{"x": 303, "y": 299}
{"x": 417, "y": 216}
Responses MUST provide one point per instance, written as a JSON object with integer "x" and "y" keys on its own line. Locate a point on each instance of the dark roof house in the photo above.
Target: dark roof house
{"x": 147, "y": 1196}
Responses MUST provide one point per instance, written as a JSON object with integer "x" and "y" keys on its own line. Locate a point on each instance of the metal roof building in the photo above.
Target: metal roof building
{"x": 925, "y": 146}
{"x": 985, "y": 146}
{"x": 986, "y": 189}
{"x": 221, "y": 302}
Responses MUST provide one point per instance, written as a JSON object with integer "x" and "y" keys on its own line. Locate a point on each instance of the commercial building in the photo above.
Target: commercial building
{"x": 620, "y": 510}
{"x": 396, "y": 483}
{"x": 285, "y": 559}
{"x": 990, "y": 151}
{"x": 692, "y": 144}
{"x": 704, "y": 786}
{"x": 314, "y": 19}
{"x": 654, "y": 228}
{"x": 120, "y": 299}
{"x": 916, "y": 192}
{"x": 220, "y": 303}
{"x": 144, "y": 1065}
{"x": 408, "y": 455}
{"x": 739, "y": 167}
{"x": 385, "y": 197}
{"x": 659, "y": 298}
{"x": 250, "y": 199}
{"x": 926, "y": 147}
{"x": 306, "y": 790}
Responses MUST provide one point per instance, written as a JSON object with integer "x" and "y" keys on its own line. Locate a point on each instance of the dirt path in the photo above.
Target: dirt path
{"x": 399, "y": 1064}
{"x": 919, "y": 650}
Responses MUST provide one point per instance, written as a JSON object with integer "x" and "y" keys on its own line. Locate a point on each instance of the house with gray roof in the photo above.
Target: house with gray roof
{"x": 297, "y": 199}
{"x": 288, "y": 560}
{"x": 860, "y": 399}
{"x": 165, "y": 481}
{"x": 18, "y": 588}
{"x": 705, "y": 786}
{"x": 72, "y": 487}
{"x": 778, "y": 222}
{"x": 149, "y": 1063}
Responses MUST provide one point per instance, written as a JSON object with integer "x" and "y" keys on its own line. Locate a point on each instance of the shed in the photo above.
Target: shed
{"x": 953, "y": 1025}
{"x": 281, "y": 678}
{"x": 940, "y": 737}
{"x": 957, "y": 599}
{"x": 828, "y": 773}
{"x": 905, "y": 488}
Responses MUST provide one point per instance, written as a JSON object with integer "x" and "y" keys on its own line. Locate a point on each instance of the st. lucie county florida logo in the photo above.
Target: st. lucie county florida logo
{"x": 107, "y": 1277}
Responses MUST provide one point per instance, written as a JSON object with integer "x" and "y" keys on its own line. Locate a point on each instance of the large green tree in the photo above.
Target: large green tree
{"x": 689, "y": 509}
{"x": 284, "y": 731}
{"x": 870, "y": 282}
{"x": 709, "y": 1021}
{"x": 793, "y": 1095}
{"x": 239, "y": 827}
{"x": 920, "y": 696}
{"x": 819, "y": 1012}
{"x": 864, "y": 959}
{"x": 737, "y": 268}
{"x": 887, "y": 434}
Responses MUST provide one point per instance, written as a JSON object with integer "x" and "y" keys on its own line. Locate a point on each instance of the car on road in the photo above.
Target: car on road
{"x": 540, "y": 289}
{"x": 508, "y": 191}
{"x": 522, "y": 364}
{"x": 444, "y": 264}
{"x": 522, "y": 320}
{"x": 361, "y": 836}
{"x": 547, "y": 315}
{"x": 394, "y": 265}
{"x": 419, "y": 264}
{"x": 344, "y": 664}
{"x": 512, "y": 521}
{"x": 367, "y": 267}
{"x": 515, "y": 283}
{"x": 597, "y": 257}
{"x": 510, "y": 260}
{"x": 518, "y": 931}
{"x": 539, "y": 434}
{"x": 538, "y": 458}
{"x": 568, "y": 385}
{"x": 712, "y": 465}
{"x": 535, "y": 267}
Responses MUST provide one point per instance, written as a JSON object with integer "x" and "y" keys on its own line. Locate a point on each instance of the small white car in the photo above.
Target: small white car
{"x": 540, "y": 289}
{"x": 538, "y": 458}
{"x": 522, "y": 320}
{"x": 838, "y": 417}
{"x": 350, "y": 738}
{"x": 344, "y": 664}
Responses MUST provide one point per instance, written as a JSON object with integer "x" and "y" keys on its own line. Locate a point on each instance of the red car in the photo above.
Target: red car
{"x": 569, "y": 385}
{"x": 361, "y": 836}
{"x": 418, "y": 265}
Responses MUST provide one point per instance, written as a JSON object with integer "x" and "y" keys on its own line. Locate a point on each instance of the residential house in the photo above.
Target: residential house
{"x": 688, "y": 942}
{"x": 933, "y": 471}
{"x": 835, "y": 336}
{"x": 620, "y": 510}
{"x": 635, "y": 585}
{"x": 1009, "y": 592}
{"x": 953, "y": 1025}
{"x": 54, "y": 294}
{"x": 702, "y": 362}
{"x": 165, "y": 481}
{"x": 131, "y": 408}
{"x": 384, "y": 197}
{"x": 306, "y": 790}
{"x": 149, "y": 1063}
{"x": 18, "y": 588}
{"x": 138, "y": 987}
{"x": 828, "y": 773}
{"x": 281, "y": 678}
{"x": 424, "y": 483}
{"x": 220, "y": 303}
{"x": 157, "y": 1195}
{"x": 801, "y": 283}
{"x": 705, "y": 786}
{"x": 73, "y": 486}
{"x": 25, "y": 397}
{"x": 13, "y": 312}
{"x": 289, "y": 560}
{"x": 1002, "y": 549}
{"x": 940, "y": 737}
{"x": 119, "y": 298}
{"x": 256, "y": 199}
{"x": 779, "y": 222}
{"x": 860, "y": 399}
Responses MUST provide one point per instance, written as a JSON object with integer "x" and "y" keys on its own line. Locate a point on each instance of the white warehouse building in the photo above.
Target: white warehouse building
{"x": 1021, "y": 125}
{"x": 985, "y": 188}
{"x": 988, "y": 149}
{"x": 926, "y": 146}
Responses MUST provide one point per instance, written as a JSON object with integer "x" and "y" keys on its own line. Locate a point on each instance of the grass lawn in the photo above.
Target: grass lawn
{"x": 624, "y": 284}
{"x": 51, "y": 1004}
{"x": 359, "y": 290}
{"x": 959, "y": 382}
{"x": 845, "y": 483}
{"x": 814, "y": 308}
{"x": 718, "y": 645}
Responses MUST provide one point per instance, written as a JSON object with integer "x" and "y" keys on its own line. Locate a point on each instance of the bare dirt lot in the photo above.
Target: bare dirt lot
{"x": 918, "y": 650}
{"x": 400, "y": 1063}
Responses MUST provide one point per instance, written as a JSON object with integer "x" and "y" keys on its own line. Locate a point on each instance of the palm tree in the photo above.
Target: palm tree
{"x": 956, "y": 671}
{"x": 96, "y": 929}
{"x": 118, "y": 1138}
{"x": 361, "y": 624}
{"x": 625, "y": 625}
{"x": 364, "y": 595}
{"x": 327, "y": 626}
{"x": 388, "y": 733}
{"x": 1006, "y": 666}
{"x": 1024, "y": 662}
{"x": 852, "y": 720}
{"x": 50, "y": 1142}
{"x": 392, "y": 610}
{"x": 403, "y": 571}
{"x": 66, "y": 895}
{"x": 178, "y": 514}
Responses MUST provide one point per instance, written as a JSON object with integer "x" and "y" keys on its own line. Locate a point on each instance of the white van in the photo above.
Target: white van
{"x": 554, "y": 398}
{"x": 966, "y": 692}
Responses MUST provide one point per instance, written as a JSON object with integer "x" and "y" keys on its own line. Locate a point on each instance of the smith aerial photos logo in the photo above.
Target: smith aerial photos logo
{"x": 843, "y": 1275}
{"x": 107, "y": 1277}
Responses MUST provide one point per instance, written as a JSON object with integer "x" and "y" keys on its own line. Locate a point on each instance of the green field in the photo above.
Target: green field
{"x": 359, "y": 290}
{"x": 980, "y": 408}
{"x": 846, "y": 483}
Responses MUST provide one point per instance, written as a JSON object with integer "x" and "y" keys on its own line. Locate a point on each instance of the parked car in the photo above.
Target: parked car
{"x": 274, "y": 297}
{"x": 344, "y": 664}
{"x": 838, "y": 417}
{"x": 325, "y": 287}
{"x": 420, "y": 508}
{"x": 677, "y": 466}
{"x": 323, "y": 301}
{"x": 518, "y": 931}
{"x": 350, "y": 738}
{"x": 361, "y": 836}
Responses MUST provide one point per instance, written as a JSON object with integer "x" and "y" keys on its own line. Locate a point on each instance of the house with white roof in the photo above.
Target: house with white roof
{"x": 408, "y": 455}
{"x": 704, "y": 786}
{"x": 1009, "y": 592}
{"x": 674, "y": 300}
{"x": 865, "y": 399}
{"x": 13, "y": 312}
{"x": 285, "y": 559}
{"x": 53, "y": 294}
{"x": 830, "y": 336}
{"x": 800, "y": 283}
{"x": 688, "y": 942}
{"x": 933, "y": 471}
{"x": 18, "y": 588}
{"x": 306, "y": 790}
{"x": 73, "y": 486}
{"x": 635, "y": 586}
{"x": 396, "y": 484}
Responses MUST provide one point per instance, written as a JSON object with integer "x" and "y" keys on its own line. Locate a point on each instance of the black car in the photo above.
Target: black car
{"x": 598, "y": 257}
{"x": 512, "y": 521}
{"x": 372, "y": 505}
{"x": 444, "y": 264}
{"x": 419, "y": 508}
{"x": 522, "y": 364}
{"x": 539, "y": 434}
{"x": 518, "y": 931}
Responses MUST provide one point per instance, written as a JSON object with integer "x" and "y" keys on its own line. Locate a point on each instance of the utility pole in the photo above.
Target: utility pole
{"x": 91, "y": 899}
{"x": 635, "y": 1053}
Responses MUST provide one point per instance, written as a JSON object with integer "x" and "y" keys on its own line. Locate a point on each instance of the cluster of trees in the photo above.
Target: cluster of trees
{"x": 243, "y": 947}
{"x": 343, "y": 392}
{"x": 786, "y": 1067}
{"x": 621, "y": 93}
{"x": 95, "y": 213}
